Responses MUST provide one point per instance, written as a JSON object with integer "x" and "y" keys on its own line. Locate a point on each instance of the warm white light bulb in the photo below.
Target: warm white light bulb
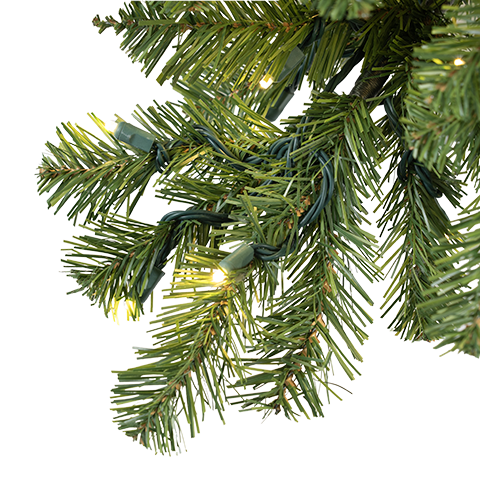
{"x": 127, "y": 305}
{"x": 218, "y": 276}
{"x": 114, "y": 309}
{"x": 266, "y": 81}
{"x": 458, "y": 62}
{"x": 111, "y": 126}
{"x": 123, "y": 305}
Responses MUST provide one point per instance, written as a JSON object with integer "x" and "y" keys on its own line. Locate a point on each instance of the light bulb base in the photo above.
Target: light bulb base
{"x": 134, "y": 136}
{"x": 283, "y": 100}
{"x": 294, "y": 60}
{"x": 240, "y": 258}
{"x": 155, "y": 276}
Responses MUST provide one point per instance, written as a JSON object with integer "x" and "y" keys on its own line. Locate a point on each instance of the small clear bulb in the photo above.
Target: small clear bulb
{"x": 111, "y": 126}
{"x": 266, "y": 81}
{"x": 458, "y": 62}
{"x": 218, "y": 276}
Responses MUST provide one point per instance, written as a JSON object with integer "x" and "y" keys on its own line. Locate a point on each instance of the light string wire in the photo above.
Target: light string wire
{"x": 408, "y": 159}
{"x": 282, "y": 148}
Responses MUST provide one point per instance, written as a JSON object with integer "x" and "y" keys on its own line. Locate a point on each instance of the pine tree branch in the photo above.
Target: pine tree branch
{"x": 294, "y": 360}
{"x": 389, "y": 35}
{"x": 116, "y": 262}
{"x": 325, "y": 257}
{"x": 197, "y": 352}
{"x": 328, "y": 61}
{"x": 342, "y": 125}
{"x": 275, "y": 28}
{"x": 340, "y": 10}
{"x": 295, "y": 197}
{"x": 442, "y": 103}
{"x": 99, "y": 176}
{"x": 417, "y": 220}
{"x": 456, "y": 292}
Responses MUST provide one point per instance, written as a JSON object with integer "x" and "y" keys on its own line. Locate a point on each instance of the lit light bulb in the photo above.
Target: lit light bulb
{"x": 114, "y": 309}
{"x": 218, "y": 276}
{"x": 458, "y": 62}
{"x": 111, "y": 126}
{"x": 127, "y": 305}
{"x": 266, "y": 81}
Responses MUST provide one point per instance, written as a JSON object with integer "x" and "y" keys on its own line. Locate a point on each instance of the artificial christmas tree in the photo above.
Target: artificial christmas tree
{"x": 264, "y": 203}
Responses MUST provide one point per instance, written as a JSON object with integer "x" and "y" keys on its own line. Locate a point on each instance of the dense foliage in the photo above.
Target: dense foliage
{"x": 294, "y": 194}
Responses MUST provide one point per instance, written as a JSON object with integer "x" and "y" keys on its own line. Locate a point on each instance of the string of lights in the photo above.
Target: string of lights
{"x": 282, "y": 148}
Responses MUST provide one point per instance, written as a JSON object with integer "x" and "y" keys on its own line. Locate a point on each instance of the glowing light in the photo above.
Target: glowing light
{"x": 111, "y": 126}
{"x": 114, "y": 310}
{"x": 131, "y": 308}
{"x": 218, "y": 276}
{"x": 266, "y": 81}
{"x": 458, "y": 62}
{"x": 127, "y": 305}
